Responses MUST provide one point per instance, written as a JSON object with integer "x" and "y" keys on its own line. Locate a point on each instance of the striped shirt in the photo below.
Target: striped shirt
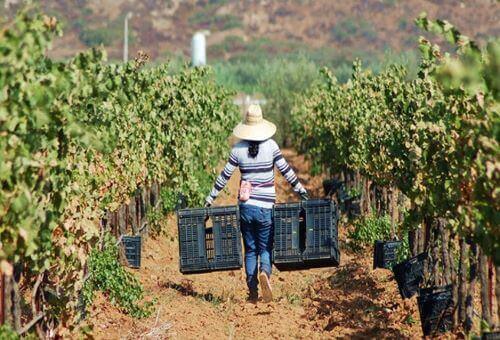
{"x": 259, "y": 171}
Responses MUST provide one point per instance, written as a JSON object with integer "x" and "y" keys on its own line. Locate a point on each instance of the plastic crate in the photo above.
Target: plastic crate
{"x": 305, "y": 235}
{"x": 385, "y": 253}
{"x": 132, "y": 249}
{"x": 333, "y": 186}
{"x": 215, "y": 248}
{"x": 409, "y": 274}
{"x": 352, "y": 206}
{"x": 436, "y": 309}
{"x": 288, "y": 242}
{"x": 321, "y": 218}
{"x": 490, "y": 336}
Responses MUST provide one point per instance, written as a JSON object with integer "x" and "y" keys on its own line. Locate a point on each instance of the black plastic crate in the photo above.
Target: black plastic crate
{"x": 215, "y": 248}
{"x": 288, "y": 243}
{"x": 333, "y": 186}
{"x": 435, "y": 305}
{"x": 385, "y": 253}
{"x": 321, "y": 218}
{"x": 132, "y": 250}
{"x": 490, "y": 336}
{"x": 305, "y": 235}
{"x": 352, "y": 207}
{"x": 409, "y": 274}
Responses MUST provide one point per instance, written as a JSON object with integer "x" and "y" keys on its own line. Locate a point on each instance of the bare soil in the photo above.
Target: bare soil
{"x": 351, "y": 301}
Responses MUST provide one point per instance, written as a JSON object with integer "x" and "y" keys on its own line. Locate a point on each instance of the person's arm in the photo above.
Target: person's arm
{"x": 287, "y": 172}
{"x": 223, "y": 178}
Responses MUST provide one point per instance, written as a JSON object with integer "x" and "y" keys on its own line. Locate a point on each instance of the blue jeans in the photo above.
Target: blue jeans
{"x": 258, "y": 233}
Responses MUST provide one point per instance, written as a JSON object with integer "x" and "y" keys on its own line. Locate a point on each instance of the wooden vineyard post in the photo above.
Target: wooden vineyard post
{"x": 382, "y": 207}
{"x": 435, "y": 256}
{"x": 393, "y": 209}
{"x": 485, "y": 289}
{"x": 11, "y": 299}
{"x": 143, "y": 200}
{"x": 427, "y": 233}
{"x": 132, "y": 216}
{"x": 128, "y": 225}
{"x": 2, "y": 298}
{"x": 154, "y": 190}
{"x": 462, "y": 281}
{"x": 452, "y": 239}
{"x": 122, "y": 220}
{"x": 137, "y": 201}
{"x": 372, "y": 191}
{"x": 497, "y": 291}
{"x": 469, "y": 308}
{"x": 114, "y": 224}
{"x": 413, "y": 238}
{"x": 367, "y": 199}
{"x": 413, "y": 241}
{"x": 445, "y": 254}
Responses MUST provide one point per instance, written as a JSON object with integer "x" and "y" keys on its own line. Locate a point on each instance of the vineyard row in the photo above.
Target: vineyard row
{"x": 77, "y": 139}
{"x": 435, "y": 140}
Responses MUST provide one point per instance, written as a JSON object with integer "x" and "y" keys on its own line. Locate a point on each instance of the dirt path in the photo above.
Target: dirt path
{"x": 349, "y": 301}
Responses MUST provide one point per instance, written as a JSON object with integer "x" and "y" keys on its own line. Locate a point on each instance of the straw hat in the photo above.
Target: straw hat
{"x": 254, "y": 127}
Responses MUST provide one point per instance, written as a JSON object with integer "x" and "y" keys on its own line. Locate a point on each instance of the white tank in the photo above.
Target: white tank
{"x": 198, "y": 49}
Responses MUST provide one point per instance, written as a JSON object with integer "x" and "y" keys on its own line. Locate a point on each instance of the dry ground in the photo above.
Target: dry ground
{"x": 351, "y": 301}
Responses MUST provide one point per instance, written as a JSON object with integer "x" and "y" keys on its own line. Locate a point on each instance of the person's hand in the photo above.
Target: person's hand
{"x": 207, "y": 205}
{"x": 304, "y": 196}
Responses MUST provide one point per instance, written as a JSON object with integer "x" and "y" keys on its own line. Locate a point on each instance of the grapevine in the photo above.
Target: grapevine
{"x": 77, "y": 139}
{"x": 434, "y": 137}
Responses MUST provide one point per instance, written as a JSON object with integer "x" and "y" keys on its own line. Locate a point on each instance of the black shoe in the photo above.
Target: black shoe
{"x": 253, "y": 297}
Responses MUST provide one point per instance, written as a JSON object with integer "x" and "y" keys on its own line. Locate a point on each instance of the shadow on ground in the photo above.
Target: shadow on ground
{"x": 350, "y": 298}
{"x": 186, "y": 288}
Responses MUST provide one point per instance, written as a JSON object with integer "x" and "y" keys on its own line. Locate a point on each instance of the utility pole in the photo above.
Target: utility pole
{"x": 125, "y": 37}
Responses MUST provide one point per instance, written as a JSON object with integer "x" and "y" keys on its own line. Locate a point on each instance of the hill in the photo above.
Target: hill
{"x": 164, "y": 28}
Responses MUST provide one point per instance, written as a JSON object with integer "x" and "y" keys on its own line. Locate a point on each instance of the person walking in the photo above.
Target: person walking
{"x": 256, "y": 154}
